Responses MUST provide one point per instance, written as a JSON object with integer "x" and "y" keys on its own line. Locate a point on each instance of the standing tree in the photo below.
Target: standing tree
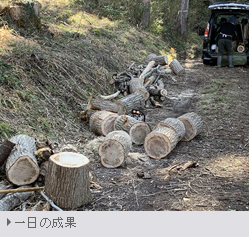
{"x": 145, "y": 21}
{"x": 182, "y": 21}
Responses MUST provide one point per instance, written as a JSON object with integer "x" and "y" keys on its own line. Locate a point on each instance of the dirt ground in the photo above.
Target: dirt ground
{"x": 219, "y": 181}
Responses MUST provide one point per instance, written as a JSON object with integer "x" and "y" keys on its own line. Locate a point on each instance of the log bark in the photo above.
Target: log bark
{"x": 137, "y": 130}
{"x": 99, "y": 104}
{"x": 21, "y": 165}
{"x": 132, "y": 101}
{"x": 159, "y": 60}
{"x": 176, "y": 67}
{"x": 158, "y": 92}
{"x": 12, "y": 200}
{"x": 115, "y": 149}
{"x": 4, "y": 186}
{"x": 193, "y": 125}
{"x": 86, "y": 114}
{"x": 67, "y": 180}
{"x": 175, "y": 124}
{"x": 102, "y": 122}
{"x": 5, "y": 149}
{"x": 150, "y": 65}
{"x": 143, "y": 92}
{"x": 135, "y": 84}
{"x": 160, "y": 142}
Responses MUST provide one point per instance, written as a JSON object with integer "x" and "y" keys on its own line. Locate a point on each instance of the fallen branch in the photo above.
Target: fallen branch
{"x": 109, "y": 97}
{"x": 21, "y": 190}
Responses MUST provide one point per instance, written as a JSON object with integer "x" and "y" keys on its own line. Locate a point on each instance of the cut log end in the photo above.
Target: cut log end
{"x": 23, "y": 171}
{"x": 138, "y": 132}
{"x": 157, "y": 145}
{"x": 112, "y": 153}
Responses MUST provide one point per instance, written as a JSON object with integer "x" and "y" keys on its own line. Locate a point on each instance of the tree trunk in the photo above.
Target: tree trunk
{"x": 12, "y": 200}
{"x": 175, "y": 124}
{"x": 160, "y": 142}
{"x": 5, "y": 149}
{"x": 21, "y": 165}
{"x": 115, "y": 149}
{"x": 102, "y": 122}
{"x": 137, "y": 130}
{"x": 193, "y": 125}
{"x": 67, "y": 180}
{"x": 182, "y": 21}
{"x": 132, "y": 101}
{"x": 145, "y": 22}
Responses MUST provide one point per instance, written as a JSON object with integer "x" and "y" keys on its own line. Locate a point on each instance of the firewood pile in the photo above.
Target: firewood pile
{"x": 139, "y": 85}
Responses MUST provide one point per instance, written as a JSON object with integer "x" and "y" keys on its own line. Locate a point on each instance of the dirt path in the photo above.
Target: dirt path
{"x": 220, "y": 181}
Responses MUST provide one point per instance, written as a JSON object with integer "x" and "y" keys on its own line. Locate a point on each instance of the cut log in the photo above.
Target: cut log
{"x": 143, "y": 92}
{"x": 99, "y": 104}
{"x": 137, "y": 130}
{"x": 3, "y": 186}
{"x": 132, "y": 101}
{"x": 150, "y": 65}
{"x": 67, "y": 180}
{"x": 160, "y": 84}
{"x": 12, "y": 200}
{"x": 176, "y": 67}
{"x": 21, "y": 165}
{"x": 86, "y": 114}
{"x": 115, "y": 149}
{"x": 5, "y": 149}
{"x": 175, "y": 124}
{"x": 149, "y": 81}
{"x": 159, "y": 60}
{"x": 160, "y": 142}
{"x": 193, "y": 125}
{"x": 135, "y": 84}
{"x": 102, "y": 122}
{"x": 158, "y": 92}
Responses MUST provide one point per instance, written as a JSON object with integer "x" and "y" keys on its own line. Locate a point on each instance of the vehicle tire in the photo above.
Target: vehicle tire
{"x": 206, "y": 62}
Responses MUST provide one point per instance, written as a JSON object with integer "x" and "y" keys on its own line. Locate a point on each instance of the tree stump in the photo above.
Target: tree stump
{"x": 25, "y": 14}
{"x": 102, "y": 122}
{"x": 176, "y": 67}
{"x": 137, "y": 130}
{"x": 67, "y": 180}
{"x": 175, "y": 124}
{"x": 21, "y": 165}
{"x": 193, "y": 125}
{"x": 5, "y": 149}
{"x": 132, "y": 101}
{"x": 160, "y": 142}
{"x": 115, "y": 149}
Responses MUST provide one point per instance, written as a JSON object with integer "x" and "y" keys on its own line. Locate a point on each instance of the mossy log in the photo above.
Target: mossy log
{"x": 137, "y": 130}
{"x": 102, "y": 122}
{"x": 160, "y": 142}
{"x": 193, "y": 125}
{"x": 67, "y": 180}
{"x": 115, "y": 149}
{"x": 21, "y": 165}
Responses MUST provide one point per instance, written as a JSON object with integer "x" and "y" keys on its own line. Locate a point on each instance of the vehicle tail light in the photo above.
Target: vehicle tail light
{"x": 206, "y": 31}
